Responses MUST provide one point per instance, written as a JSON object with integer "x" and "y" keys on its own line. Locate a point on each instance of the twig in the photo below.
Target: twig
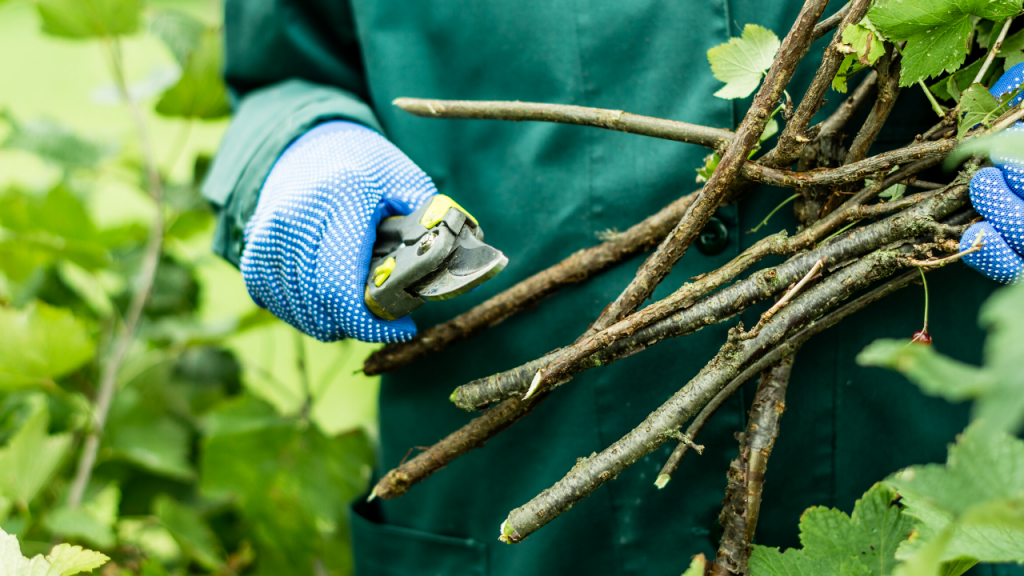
{"x": 888, "y": 67}
{"x": 940, "y": 262}
{"x": 784, "y": 300}
{"x": 828, "y": 24}
{"x": 147, "y": 276}
{"x": 993, "y": 50}
{"x": 618, "y": 120}
{"x": 742, "y": 503}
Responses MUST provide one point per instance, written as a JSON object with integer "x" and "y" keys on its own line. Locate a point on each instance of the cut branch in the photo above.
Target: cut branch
{"x": 760, "y": 352}
{"x": 888, "y": 67}
{"x": 742, "y": 503}
{"x": 715, "y": 138}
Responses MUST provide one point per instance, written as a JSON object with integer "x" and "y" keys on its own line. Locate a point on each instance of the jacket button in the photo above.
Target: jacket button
{"x": 713, "y": 238}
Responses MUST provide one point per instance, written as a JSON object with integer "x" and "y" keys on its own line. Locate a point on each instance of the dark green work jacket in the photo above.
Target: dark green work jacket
{"x": 541, "y": 192}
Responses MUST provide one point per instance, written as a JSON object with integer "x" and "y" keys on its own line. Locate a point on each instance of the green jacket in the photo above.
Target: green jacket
{"x": 543, "y": 191}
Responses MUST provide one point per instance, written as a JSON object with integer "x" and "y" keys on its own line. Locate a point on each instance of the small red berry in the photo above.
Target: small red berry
{"x": 922, "y": 337}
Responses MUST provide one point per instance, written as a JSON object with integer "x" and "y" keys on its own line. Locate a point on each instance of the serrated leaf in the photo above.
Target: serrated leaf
{"x": 65, "y": 560}
{"x": 861, "y": 544}
{"x": 32, "y": 456}
{"x": 181, "y": 32}
{"x": 54, "y": 142}
{"x": 89, "y": 18}
{"x": 937, "y": 32}
{"x": 200, "y": 93}
{"x": 960, "y": 81}
{"x": 741, "y": 62}
{"x": 979, "y": 106}
{"x": 976, "y": 499}
{"x": 935, "y": 374}
{"x": 39, "y": 344}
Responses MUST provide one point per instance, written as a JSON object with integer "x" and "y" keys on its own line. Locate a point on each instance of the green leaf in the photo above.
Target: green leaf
{"x": 63, "y": 560}
{"x": 710, "y": 163}
{"x": 979, "y": 106}
{"x": 200, "y": 93}
{"x": 92, "y": 521}
{"x": 937, "y": 32}
{"x": 1013, "y": 50}
{"x": 147, "y": 437}
{"x": 179, "y": 31}
{"x": 741, "y": 62}
{"x": 286, "y": 476}
{"x": 32, "y": 456}
{"x": 39, "y": 344}
{"x": 958, "y": 82}
{"x": 864, "y": 41}
{"x": 862, "y": 544}
{"x": 976, "y": 499}
{"x": 190, "y": 531}
{"x": 54, "y": 142}
{"x": 1002, "y": 145}
{"x": 847, "y": 68}
{"x": 89, "y": 18}
{"x": 937, "y": 375}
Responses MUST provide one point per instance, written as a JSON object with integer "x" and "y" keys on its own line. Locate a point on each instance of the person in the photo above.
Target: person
{"x": 316, "y": 155}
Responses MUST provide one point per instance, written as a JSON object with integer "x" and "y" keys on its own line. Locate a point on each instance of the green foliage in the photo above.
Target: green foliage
{"x": 63, "y": 560}
{"x": 937, "y": 32}
{"x": 862, "y": 544}
{"x": 979, "y": 106}
{"x": 30, "y": 458}
{"x": 200, "y": 92}
{"x": 698, "y": 566}
{"x": 973, "y": 505}
{"x": 193, "y": 474}
{"x": 39, "y": 344}
{"x": 89, "y": 18}
{"x": 741, "y": 62}
{"x": 864, "y": 41}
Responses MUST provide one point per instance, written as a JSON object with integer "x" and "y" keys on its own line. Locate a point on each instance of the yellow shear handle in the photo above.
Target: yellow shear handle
{"x": 439, "y": 206}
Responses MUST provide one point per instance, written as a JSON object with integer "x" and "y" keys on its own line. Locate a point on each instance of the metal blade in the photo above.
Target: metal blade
{"x": 470, "y": 264}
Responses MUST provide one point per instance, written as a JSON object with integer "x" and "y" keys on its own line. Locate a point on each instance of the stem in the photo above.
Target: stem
{"x": 888, "y": 68}
{"x": 772, "y": 213}
{"x": 714, "y": 138}
{"x": 144, "y": 287}
{"x": 993, "y": 51}
{"x": 936, "y": 107}
{"x": 924, "y": 282}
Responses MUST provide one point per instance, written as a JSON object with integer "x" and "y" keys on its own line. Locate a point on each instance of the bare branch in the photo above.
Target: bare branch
{"x": 888, "y": 67}
{"x": 742, "y": 503}
{"x": 828, "y": 24}
{"x": 618, "y": 120}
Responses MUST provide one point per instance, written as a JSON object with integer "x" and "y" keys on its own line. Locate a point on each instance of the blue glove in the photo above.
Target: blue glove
{"x": 307, "y": 247}
{"x": 998, "y": 195}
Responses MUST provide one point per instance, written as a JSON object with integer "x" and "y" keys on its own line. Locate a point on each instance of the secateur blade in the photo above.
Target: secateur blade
{"x": 470, "y": 264}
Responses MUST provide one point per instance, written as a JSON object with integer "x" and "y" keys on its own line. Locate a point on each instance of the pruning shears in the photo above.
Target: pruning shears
{"x": 435, "y": 253}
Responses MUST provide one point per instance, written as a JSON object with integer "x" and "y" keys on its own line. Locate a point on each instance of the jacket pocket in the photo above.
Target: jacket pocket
{"x": 386, "y": 550}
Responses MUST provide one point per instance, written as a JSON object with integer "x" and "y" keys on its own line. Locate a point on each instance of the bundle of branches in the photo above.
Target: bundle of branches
{"x": 835, "y": 256}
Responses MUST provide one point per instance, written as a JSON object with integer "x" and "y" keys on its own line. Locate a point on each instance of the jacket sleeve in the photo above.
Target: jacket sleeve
{"x": 289, "y": 64}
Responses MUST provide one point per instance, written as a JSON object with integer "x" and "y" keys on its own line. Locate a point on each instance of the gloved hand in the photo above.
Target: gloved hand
{"x": 307, "y": 247}
{"x": 998, "y": 195}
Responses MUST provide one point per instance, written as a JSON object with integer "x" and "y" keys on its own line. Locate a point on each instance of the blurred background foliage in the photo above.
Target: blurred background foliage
{"x": 232, "y": 444}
